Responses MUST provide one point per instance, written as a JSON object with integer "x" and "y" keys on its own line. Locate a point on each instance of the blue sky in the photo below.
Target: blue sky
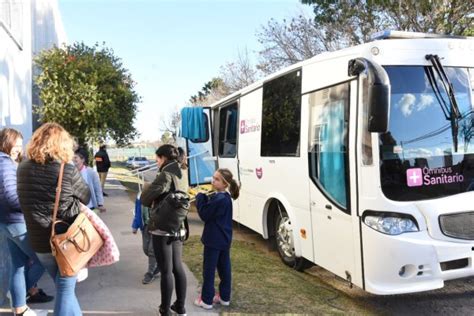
{"x": 172, "y": 48}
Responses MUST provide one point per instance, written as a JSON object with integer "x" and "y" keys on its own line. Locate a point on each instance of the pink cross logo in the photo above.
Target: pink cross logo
{"x": 242, "y": 127}
{"x": 414, "y": 177}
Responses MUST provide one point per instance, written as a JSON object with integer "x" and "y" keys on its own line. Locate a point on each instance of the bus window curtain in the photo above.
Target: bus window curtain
{"x": 192, "y": 123}
{"x": 331, "y": 167}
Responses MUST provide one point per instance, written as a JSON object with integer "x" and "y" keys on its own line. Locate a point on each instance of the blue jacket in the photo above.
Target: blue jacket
{"x": 10, "y": 211}
{"x": 97, "y": 197}
{"x": 216, "y": 212}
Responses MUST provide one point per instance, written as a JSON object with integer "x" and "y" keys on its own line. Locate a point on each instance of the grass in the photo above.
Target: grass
{"x": 261, "y": 284}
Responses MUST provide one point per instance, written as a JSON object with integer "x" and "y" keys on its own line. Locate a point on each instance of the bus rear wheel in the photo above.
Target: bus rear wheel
{"x": 285, "y": 243}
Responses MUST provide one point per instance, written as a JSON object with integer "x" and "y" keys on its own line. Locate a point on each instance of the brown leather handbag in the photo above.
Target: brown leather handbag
{"x": 75, "y": 247}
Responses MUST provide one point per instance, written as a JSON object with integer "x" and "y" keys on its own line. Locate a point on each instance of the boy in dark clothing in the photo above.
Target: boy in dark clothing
{"x": 216, "y": 212}
{"x": 102, "y": 163}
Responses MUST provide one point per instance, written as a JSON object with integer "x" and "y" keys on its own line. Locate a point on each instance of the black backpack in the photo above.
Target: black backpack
{"x": 170, "y": 212}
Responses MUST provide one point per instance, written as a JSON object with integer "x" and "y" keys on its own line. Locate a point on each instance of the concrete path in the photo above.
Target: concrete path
{"x": 118, "y": 290}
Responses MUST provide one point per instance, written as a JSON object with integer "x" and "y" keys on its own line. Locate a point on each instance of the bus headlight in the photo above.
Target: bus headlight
{"x": 391, "y": 223}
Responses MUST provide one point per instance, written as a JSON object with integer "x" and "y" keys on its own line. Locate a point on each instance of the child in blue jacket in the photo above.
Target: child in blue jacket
{"x": 216, "y": 212}
{"x": 140, "y": 221}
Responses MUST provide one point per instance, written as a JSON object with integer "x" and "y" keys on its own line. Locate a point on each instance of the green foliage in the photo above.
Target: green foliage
{"x": 87, "y": 90}
{"x": 356, "y": 20}
{"x": 208, "y": 88}
{"x": 167, "y": 138}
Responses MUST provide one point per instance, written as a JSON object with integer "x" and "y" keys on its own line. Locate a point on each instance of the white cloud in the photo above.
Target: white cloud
{"x": 406, "y": 103}
{"x": 426, "y": 100}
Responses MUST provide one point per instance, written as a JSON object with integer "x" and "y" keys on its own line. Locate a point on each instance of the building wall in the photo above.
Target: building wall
{"x": 15, "y": 66}
{"x": 26, "y": 28}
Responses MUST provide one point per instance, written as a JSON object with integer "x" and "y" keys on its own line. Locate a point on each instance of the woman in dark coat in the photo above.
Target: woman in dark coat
{"x": 167, "y": 247}
{"x": 38, "y": 176}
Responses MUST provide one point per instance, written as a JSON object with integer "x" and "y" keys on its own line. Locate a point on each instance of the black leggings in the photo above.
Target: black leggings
{"x": 168, "y": 256}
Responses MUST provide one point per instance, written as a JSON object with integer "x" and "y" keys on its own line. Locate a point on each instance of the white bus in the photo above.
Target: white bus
{"x": 360, "y": 161}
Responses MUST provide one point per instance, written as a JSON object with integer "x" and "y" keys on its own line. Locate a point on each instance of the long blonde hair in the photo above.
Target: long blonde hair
{"x": 50, "y": 142}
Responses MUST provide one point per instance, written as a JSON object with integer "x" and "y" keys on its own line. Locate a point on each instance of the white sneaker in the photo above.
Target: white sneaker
{"x": 34, "y": 312}
{"x": 218, "y": 300}
{"x": 82, "y": 275}
{"x": 200, "y": 303}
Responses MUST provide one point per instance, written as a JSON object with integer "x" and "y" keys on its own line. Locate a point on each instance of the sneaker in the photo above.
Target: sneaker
{"x": 148, "y": 278}
{"x": 105, "y": 194}
{"x": 33, "y": 312}
{"x": 218, "y": 300}
{"x": 179, "y": 311}
{"x": 199, "y": 302}
{"x": 164, "y": 312}
{"x": 39, "y": 297}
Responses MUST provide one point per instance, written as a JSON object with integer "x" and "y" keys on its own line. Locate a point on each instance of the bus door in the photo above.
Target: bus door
{"x": 227, "y": 135}
{"x": 329, "y": 158}
{"x": 201, "y": 158}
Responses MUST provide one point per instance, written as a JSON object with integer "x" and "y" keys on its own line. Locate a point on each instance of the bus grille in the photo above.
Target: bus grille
{"x": 459, "y": 225}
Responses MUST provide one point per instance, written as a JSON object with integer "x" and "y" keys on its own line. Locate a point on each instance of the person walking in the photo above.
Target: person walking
{"x": 168, "y": 247}
{"x": 50, "y": 146}
{"x": 102, "y": 163}
{"x": 26, "y": 269}
{"x": 216, "y": 212}
{"x": 91, "y": 177}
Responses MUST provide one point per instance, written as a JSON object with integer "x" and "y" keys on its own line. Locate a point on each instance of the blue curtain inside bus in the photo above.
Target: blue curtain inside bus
{"x": 192, "y": 123}
{"x": 332, "y": 168}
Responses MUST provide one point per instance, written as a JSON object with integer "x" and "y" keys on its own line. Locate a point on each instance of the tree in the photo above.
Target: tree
{"x": 239, "y": 73}
{"x": 172, "y": 125}
{"x": 166, "y": 138}
{"x": 88, "y": 91}
{"x": 212, "y": 91}
{"x": 356, "y": 20}
{"x": 339, "y": 24}
{"x": 290, "y": 41}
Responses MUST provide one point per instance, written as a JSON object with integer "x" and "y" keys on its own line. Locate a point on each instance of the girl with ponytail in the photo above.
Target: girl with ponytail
{"x": 216, "y": 212}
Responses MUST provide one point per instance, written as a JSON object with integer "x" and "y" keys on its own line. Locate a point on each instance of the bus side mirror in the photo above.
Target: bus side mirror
{"x": 378, "y": 94}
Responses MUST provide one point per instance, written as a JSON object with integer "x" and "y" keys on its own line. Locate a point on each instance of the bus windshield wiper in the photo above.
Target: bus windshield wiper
{"x": 452, "y": 114}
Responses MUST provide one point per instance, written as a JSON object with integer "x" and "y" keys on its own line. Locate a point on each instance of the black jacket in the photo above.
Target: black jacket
{"x": 163, "y": 184}
{"x": 37, "y": 191}
{"x": 102, "y": 161}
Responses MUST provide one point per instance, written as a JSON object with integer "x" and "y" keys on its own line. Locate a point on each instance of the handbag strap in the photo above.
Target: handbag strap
{"x": 58, "y": 196}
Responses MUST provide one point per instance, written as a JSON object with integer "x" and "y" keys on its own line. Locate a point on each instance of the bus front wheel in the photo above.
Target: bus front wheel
{"x": 285, "y": 243}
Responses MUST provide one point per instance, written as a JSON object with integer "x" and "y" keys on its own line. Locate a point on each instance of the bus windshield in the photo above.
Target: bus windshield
{"x": 428, "y": 153}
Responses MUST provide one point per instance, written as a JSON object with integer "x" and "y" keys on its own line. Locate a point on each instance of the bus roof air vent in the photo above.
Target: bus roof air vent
{"x": 391, "y": 34}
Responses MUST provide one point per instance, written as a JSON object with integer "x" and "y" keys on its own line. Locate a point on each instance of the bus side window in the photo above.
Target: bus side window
{"x": 228, "y": 131}
{"x": 328, "y": 142}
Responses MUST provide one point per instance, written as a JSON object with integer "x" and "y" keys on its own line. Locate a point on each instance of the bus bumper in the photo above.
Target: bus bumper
{"x": 412, "y": 262}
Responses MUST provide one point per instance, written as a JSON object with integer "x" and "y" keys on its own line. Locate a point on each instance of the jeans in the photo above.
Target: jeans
{"x": 5, "y": 267}
{"x": 147, "y": 244}
{"x": 26, "y": 269}
{"x": 168, "y": 255}
{"x": 220, "y": 259}
{"x": 66, "y": 301}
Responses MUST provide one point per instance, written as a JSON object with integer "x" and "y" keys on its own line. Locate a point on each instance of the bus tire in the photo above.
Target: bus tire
{"x": 284, "y": 241}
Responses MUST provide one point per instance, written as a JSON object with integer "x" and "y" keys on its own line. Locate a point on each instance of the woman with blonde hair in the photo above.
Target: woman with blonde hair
{"x": 50, "y": 146}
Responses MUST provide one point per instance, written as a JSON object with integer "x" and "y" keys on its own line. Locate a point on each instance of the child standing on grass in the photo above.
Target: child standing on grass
{"x": 216, "y": 212}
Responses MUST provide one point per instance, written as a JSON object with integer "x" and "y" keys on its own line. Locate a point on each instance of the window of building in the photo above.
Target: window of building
{"x": 328, "y": 142}
{"x": 228, "y": 131}
{"x": 281, "y": 116}
{"x": 11, "y": 19}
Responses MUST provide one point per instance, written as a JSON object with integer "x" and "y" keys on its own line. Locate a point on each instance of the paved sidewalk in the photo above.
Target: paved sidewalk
{"x": 118, "y": 290}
